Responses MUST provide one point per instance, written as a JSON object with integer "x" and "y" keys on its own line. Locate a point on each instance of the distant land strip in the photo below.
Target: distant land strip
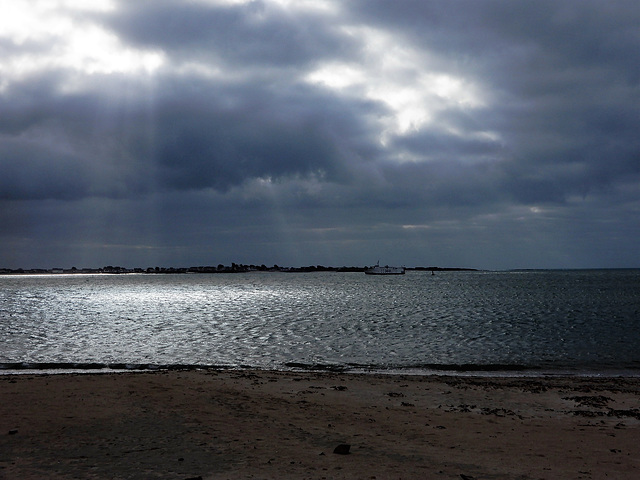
{"x": 233, "y": 268}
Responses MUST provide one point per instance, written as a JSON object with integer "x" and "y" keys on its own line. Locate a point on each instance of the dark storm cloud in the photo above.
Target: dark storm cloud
{"x": 232, "y": 140}
{"x": 565, "y": 77}
{"x": 218, "y": 136}
{"x": 37, "y": 171}
{"x": 67, "y": 146}
{"x": 483, "y": 35}
{"x": 199, "y": 140}
{"x": 253, "y": 33}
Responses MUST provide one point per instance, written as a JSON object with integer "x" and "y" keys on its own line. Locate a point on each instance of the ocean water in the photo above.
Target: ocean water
{"x": 545, "y": 322}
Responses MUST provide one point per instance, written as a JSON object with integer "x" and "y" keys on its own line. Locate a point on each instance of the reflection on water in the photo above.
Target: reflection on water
{"x": 545, "y": 318}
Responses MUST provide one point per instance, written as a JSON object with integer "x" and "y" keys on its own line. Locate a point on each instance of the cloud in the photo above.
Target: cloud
{"x": 333, "y": 129}
{"x": 245, "y": 36}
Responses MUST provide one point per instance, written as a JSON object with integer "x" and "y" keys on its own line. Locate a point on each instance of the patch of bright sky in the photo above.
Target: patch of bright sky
{"x": 326, "y": 6}
{"x": 398, "y": 76}
{"x": 203, "y": 70}
{"x": 518, "y": 214}
{"x": 59, "y": 36}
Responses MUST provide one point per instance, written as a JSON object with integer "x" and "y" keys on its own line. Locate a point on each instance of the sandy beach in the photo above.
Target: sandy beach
{"x": 274, "y": 425}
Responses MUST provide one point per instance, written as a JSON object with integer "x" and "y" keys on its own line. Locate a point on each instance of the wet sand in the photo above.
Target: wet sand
{"x": 274, "y": 425}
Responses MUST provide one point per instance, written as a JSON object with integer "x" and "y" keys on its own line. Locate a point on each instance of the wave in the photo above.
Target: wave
{"x": 465, "y": 367}
{"x": 344, "y": 368}
{"x": 47, "y": 366}
{"x": 632, "y": 369}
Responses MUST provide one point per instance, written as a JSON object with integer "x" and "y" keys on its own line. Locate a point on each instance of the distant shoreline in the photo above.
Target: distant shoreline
{"x": 234, "y": 268}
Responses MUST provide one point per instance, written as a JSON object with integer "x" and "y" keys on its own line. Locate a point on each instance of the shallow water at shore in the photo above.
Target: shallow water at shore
{"x": 528, "y": 322}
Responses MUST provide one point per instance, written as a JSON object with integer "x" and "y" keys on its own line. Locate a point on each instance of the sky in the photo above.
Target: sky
{"x": 463, "y": 133}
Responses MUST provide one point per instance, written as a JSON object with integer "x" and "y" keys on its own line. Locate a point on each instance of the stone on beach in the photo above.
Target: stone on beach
{"x": 342, "y": 449}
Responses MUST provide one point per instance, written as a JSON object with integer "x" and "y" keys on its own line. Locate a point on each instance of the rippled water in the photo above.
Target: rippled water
{"x": 584, "y": 320}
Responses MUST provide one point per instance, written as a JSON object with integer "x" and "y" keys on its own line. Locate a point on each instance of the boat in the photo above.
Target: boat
{"x": 386, "y": 270}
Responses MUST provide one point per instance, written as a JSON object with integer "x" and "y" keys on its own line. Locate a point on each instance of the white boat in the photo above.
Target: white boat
{"x": 386, "y": 270}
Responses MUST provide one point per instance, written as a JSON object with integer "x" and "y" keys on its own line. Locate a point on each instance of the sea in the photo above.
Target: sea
{"x": 533, "y": 322}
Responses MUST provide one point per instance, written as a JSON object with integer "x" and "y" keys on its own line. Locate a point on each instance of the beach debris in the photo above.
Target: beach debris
{"x": 342, "y": 449}
{"x": 466, "y": 477}
{"x": 395, "y": 394}
{"x": 633, "y": 413}
{"x": 499, "y": 412}
{"x": 13, "y": 432}
{"x": 597, "y": 401}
